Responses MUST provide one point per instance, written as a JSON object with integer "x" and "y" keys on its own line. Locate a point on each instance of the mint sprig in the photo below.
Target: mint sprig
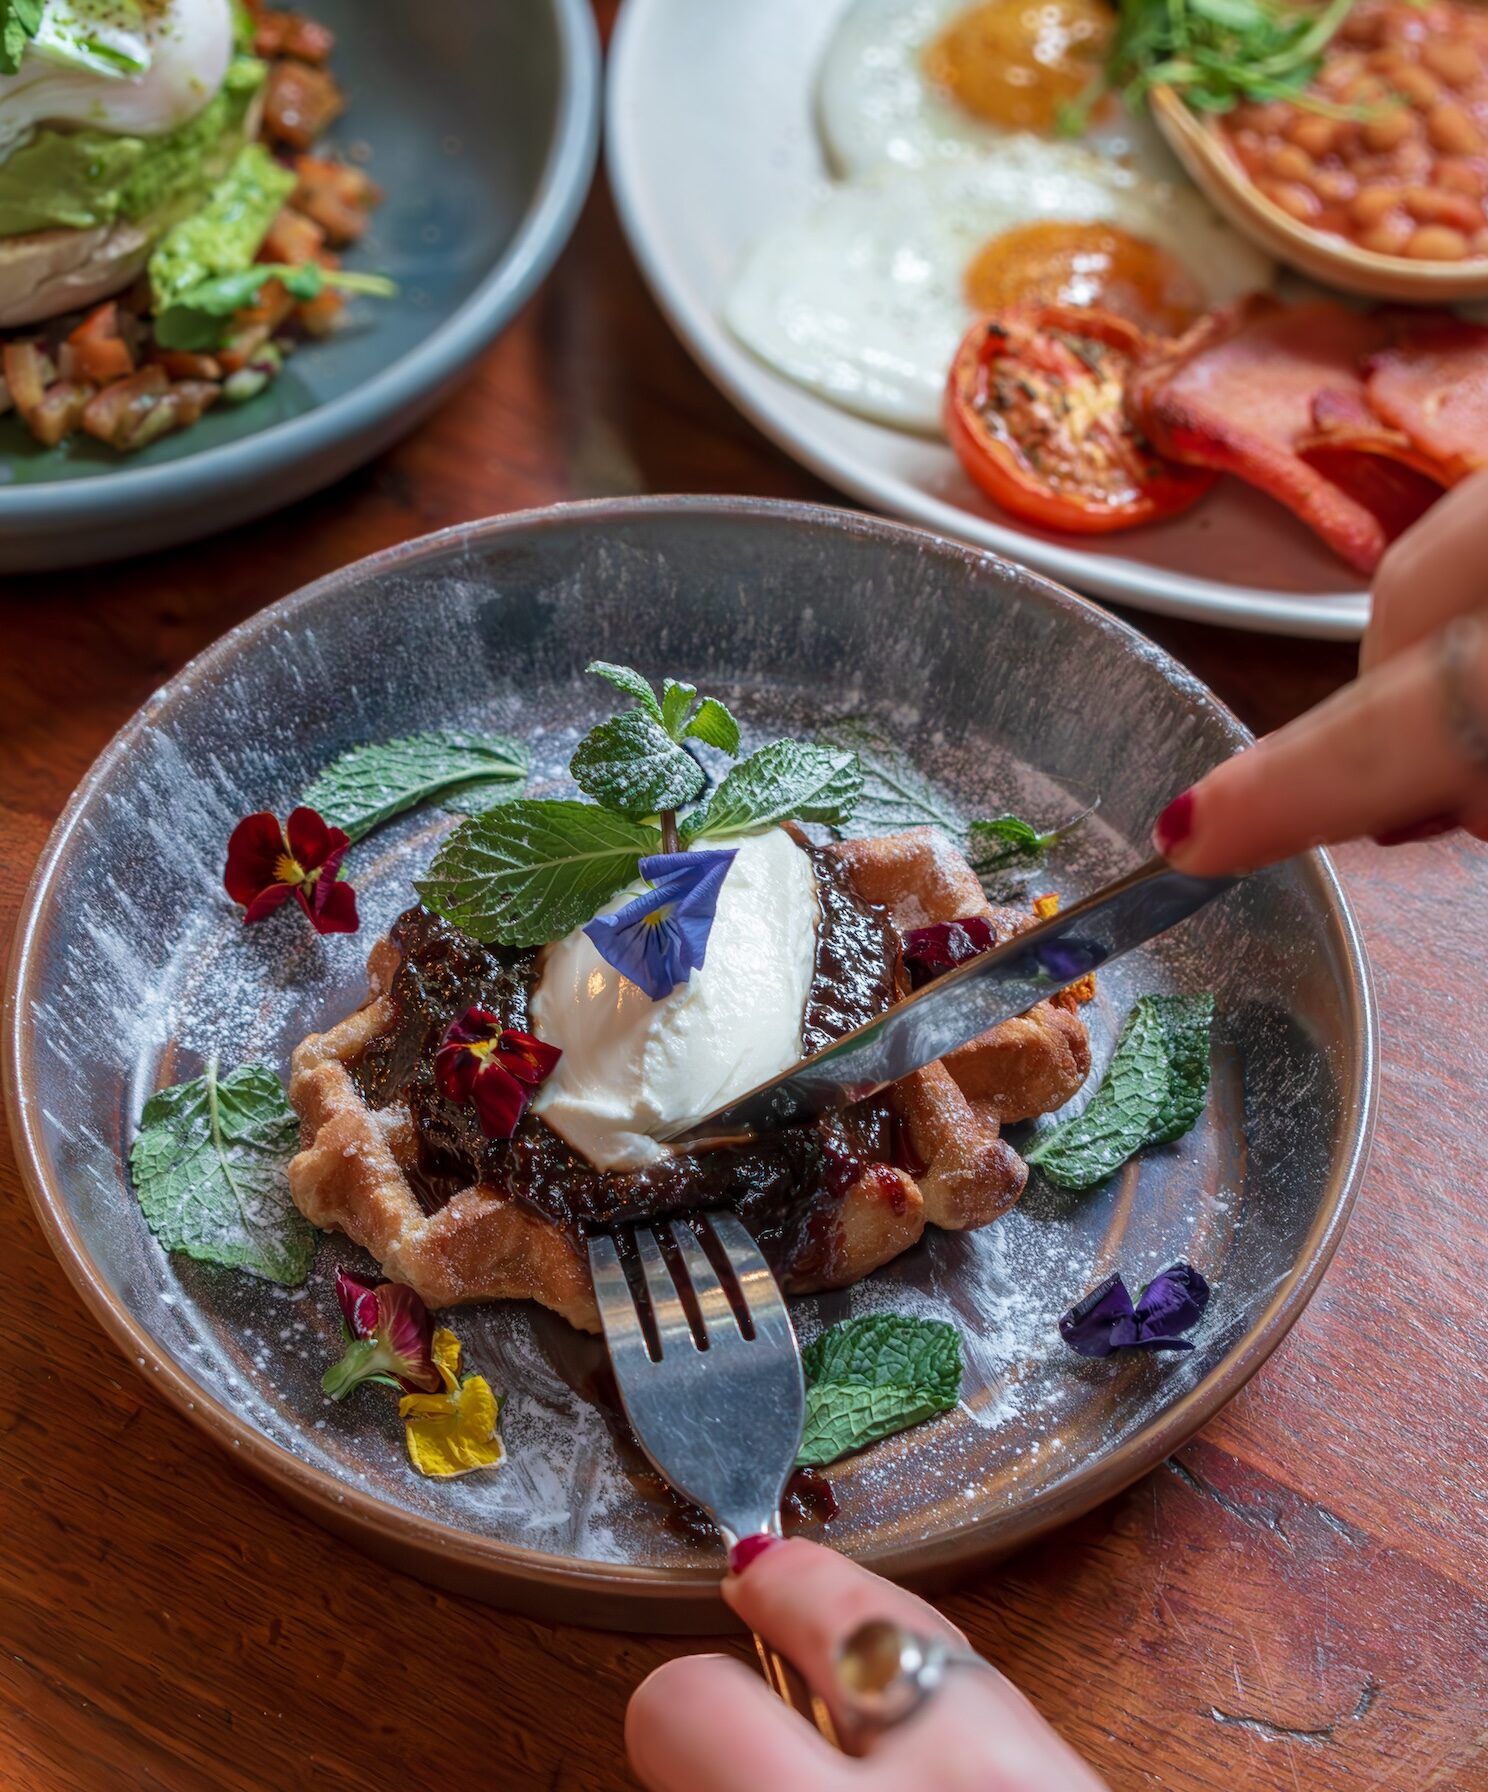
{"x": 635, "y": 763}
{"x": 787, "y": 781}
{"x": 20, "y": 20}
{"x": 873, "y": 1376}
{"x": 533, "y": 870}
{"x": 368, "y": 785}
{"x": 209, "y": 1167}
{"x": 1152, "y": 1093}
{"x": 633, "y": 766}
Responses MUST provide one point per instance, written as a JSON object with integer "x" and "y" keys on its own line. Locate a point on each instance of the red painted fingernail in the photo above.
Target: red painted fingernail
{"x": 1175, "y": 824}
{"x": 1430, "y": 829}
{"x": 750, "y": 1549}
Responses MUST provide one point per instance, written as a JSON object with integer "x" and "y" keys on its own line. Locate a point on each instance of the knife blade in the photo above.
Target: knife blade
{"x": 960, "y": 1005}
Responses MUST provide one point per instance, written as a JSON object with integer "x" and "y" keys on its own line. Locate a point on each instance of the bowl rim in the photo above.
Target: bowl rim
{"x": 631, "y": 1596}
{"x": 539, "y": 238}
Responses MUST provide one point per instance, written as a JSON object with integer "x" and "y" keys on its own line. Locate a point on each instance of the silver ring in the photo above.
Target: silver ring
{"x": 1463, "y": 642}
{"x": 885, "y": 1673}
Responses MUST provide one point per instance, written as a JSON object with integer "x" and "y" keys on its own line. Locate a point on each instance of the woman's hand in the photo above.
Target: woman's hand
{"x": 707, "y": 1723}
{"x": 1402, "y": 753}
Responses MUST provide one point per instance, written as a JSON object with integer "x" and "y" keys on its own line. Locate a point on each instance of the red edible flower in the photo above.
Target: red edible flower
{"x": 496, "y": 1067}
{"x": 267, "y": 864}
{"x": 390, "y": 1337}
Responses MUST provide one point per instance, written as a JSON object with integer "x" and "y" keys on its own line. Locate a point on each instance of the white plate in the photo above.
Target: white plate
{"x": 711, "y": 143}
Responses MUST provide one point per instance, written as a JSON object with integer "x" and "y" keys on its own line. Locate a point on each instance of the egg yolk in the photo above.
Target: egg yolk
{"x": 1014, "y": 63}
{"x": 1057, "y": 263}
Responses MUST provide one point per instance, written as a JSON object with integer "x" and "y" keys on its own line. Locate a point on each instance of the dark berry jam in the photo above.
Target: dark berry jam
{"x": 786, "y": 1187}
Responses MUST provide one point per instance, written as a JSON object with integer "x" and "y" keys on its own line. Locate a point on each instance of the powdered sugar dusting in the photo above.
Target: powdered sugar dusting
{"x": 1001, "y": 697}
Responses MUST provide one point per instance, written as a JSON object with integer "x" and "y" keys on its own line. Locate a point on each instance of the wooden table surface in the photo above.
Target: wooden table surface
{"x": 1299, "y": 1599}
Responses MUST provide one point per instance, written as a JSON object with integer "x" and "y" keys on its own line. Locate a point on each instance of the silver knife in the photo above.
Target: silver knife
{"x": 960, "y": 1005}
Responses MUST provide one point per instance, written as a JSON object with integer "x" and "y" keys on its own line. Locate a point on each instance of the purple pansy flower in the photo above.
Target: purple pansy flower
{"x": 1106, "y": 1320}
{"x": 661, "y": 938}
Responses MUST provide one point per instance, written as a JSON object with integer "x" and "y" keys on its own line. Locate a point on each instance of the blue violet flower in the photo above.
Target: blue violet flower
{"x": 1106, "y": 1320}
{"x": 659, "y": 939}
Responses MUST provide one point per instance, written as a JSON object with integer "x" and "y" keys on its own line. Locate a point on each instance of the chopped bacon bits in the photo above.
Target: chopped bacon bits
{"x": 299, "y": 102}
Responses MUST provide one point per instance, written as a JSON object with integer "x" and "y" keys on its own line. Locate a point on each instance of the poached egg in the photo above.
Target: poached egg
{"x": 632, "y": 1067}
{"x": 130, "y": 67}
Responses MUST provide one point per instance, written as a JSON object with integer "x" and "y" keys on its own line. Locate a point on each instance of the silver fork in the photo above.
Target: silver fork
{"x": 716, "y": 1397}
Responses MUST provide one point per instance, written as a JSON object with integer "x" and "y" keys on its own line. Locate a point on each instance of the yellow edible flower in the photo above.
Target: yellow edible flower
{"x": 454, "y": 1432}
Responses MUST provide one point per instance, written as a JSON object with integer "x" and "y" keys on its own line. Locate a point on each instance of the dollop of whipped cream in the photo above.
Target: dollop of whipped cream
{"x": 632, "y": 1067}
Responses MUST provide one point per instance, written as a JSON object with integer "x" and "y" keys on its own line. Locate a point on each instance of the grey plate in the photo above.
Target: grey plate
{"x": 481, "y": 123}
{"x": 131, "y": 964}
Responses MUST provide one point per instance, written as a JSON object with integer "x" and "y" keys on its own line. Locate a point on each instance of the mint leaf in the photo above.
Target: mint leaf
{"x": 370, "y": 784}
{"x": 1187, "y": 1023}
{"x": 630, "y": 682}
{"x": 676, "y": 705}
{"x": 1006, "y": 841}
{"x": 895, "y": 794}
{"x": 633, "y": 766}
{"x": 715, "y": 726}
{"x": 870, "y": 1377}
{"x": 788, "y": 781}
{"x": 531, "y": 871}
{"x": 1152, "y": 1092}
{"x": 475, "y": 799}
{"x": 209, "y": 1168}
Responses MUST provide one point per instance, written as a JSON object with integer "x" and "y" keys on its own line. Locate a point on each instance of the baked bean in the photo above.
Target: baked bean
{"x": 1287, "y": 162}
{"x": 1408, "y": 173}
{"x": 1452, "y": 129}
{"x": 1420, "y": 88}
{"x": 1387, "y": 238}
{"x": 1371, "y": 204}
{"x": 1456, "y": 174}
{"x": 1437, "y": 242}
{"x": 1296, "y": 201}
{"x": 1388, "y": 129}
{"x": 1429, "y": 205}
{"x": 1456, "y": 62}
{"x": 1311, "y": 132}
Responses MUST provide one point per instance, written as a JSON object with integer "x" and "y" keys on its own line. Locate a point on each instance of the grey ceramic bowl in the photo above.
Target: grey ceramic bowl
{"x": 131, "y": 964}
{"x": 481, "y": 123}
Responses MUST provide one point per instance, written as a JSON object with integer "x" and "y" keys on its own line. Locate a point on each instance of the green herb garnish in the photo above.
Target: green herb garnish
{"x": 20, "y": 20}
{"x": 209, "y": 1168}
{"x": 370, "y": 784}
{"x": 1008, "y": 843}
{"x": 790, "y": 780}
{"x": 1216, "y": 54}
{"x": 895, "y": 794}
{"x": 1153, "y": 1092}
{"x": 531, "y": 871}
{"x": 635, "y": 763}
{"x": 871, "y": 1377}
{"x": 199, "y": 319}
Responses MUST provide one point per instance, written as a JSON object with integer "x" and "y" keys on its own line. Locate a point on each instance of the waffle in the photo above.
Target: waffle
{"x": 485, "y": 1244}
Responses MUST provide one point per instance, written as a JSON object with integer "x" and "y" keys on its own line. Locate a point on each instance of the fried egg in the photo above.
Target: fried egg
{"x": 133, "y": 67}
{"x": 865, "y": 299}
{"x": 918, "y": 81}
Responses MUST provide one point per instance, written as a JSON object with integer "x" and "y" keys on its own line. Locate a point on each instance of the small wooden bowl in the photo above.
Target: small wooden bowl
{"x": 1196, "y": 141}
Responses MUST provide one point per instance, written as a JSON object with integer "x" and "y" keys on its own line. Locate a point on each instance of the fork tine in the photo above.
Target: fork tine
{"x": 767, "y": 1311}
{"x": 622, "y": 1318}
{"x": 719, "y": 1322}
{"x": 672, "y": 1327}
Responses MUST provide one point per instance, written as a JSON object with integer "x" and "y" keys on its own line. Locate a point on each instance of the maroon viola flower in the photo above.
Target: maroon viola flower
{"x": 496, "y": 1067}
{"x": 929, "y": 951}
{"x": 389, "y": 1338}
{"x": 267, "y": 864}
